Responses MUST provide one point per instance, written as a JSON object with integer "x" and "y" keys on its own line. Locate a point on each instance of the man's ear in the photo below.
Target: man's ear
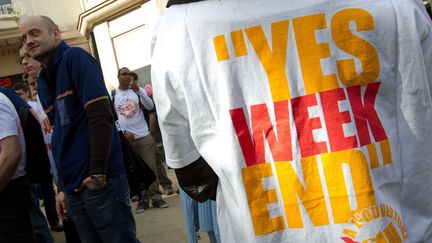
{"x": 57, "y": 34}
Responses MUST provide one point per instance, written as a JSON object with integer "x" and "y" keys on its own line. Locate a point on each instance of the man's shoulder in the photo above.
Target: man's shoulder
{"x": 76, "y": 54}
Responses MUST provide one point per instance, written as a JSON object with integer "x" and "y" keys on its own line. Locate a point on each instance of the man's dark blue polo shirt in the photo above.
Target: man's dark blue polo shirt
{"x": 78, "y": 82}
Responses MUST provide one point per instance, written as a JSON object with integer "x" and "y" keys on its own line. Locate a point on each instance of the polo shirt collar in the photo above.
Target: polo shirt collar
{"x": 58, "y": 53}
{"x": 60, "y": 49}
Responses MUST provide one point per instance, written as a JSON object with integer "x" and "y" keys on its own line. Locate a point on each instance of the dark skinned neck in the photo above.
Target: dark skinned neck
{"x": 123, "y": 87}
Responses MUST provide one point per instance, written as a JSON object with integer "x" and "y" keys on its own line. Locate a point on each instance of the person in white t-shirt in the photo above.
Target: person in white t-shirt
{"x": 15, "y": 221}
{"x": 39, "y": 174}
{"x": 26, "y": 94}
{"x": 127, "y": 98}
{"x": 313, "y": 115}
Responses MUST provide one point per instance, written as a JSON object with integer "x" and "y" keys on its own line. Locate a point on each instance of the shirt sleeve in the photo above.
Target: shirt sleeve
{"x": 414, "y": 102}
{"x": 145, "y": 100}
{"x": 426, "y": 44}
{"x": 7, "y": 115}
{"x": 169, "y": 93}
{"x": 86, "y": 76}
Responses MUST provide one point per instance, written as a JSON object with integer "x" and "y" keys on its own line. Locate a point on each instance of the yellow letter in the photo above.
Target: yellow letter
{"x": 259, "y": 199}
{"x": 360, "y": 178}
{"x": 221, "y": 48}
{"x": 238, "y": 43}
{"x": 274, "y": 63}
{"x": 311, "y": 194}
{"x": 311, "y": 53}
{"x": 391, "y": 234}
{"x": 356, "y": 46}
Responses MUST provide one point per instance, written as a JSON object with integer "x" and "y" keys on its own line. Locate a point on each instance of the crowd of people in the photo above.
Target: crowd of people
{"x": 283, "y": 122}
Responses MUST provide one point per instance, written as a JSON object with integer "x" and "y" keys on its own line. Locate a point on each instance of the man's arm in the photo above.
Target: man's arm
{"x": 142, "y": 95}
{"x": 101, "y": 122}
{"x": 87, "y": 80}
{"x": 145, "y": 100}
{"x": 10, "y": 155}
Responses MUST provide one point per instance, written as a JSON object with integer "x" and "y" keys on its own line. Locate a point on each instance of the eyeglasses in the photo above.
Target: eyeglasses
{"x": 123, "y": 74}
{"x": 21, "y": 59}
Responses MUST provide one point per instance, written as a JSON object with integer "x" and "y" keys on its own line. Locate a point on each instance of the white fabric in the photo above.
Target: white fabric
{"x": 131, "y": 118}
{"x": 303, "y": 183}
{"x": 11, "y": 126}
{"x": 46, "y": 131}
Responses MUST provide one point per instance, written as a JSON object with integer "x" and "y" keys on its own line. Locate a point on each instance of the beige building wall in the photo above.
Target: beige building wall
{"x": 116, "y": 32}
{"x": 63, "y": 12}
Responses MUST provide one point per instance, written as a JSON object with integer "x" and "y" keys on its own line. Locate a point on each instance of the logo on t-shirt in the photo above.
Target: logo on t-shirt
{"x": 324, "y": 143}
{"x": 378, "y": 223}
{"x": 126, "y": 108}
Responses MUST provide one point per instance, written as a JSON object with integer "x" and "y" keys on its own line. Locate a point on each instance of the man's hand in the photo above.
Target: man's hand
{"x": 61, "y": 207}
{"x": 89, "y": 183}
{"x": 129, "y": 136}
{"x": 134, "y": 85}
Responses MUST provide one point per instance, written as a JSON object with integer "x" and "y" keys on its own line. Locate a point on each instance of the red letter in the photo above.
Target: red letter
{"x": 243, "y": 135}
{"x": 305, "y": 125}
{"x": 280, "y": 146}
{"x": 7, "y": 82}
{"x": 334, "y": 120}
{"x": 366, "y": 114}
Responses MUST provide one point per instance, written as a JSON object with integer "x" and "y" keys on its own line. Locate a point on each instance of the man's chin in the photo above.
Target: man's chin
{"x": 35, "y": 54}
{"x": 33, "y": 74}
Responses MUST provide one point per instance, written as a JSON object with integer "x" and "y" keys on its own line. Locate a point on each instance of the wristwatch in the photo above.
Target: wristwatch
{"x": 99, "y": 178}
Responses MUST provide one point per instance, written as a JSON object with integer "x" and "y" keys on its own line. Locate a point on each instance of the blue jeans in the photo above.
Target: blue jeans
{"x": 103, "y": 215}
{"x": 39, "y": 222}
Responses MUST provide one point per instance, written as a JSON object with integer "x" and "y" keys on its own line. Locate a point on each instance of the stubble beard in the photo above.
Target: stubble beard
{"x": 44, "y": 56}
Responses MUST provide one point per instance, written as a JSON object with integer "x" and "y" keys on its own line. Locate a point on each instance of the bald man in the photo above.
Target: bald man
{"x": 85, "y": 144}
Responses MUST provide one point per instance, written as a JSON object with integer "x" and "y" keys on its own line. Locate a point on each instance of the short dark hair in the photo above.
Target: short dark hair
{"x": 20, "y": 85}
{"x": 134, "y": 75}
{"x": 118, "y": 72}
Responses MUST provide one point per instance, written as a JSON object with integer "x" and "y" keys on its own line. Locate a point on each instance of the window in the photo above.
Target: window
{"x": 4, "y": 2}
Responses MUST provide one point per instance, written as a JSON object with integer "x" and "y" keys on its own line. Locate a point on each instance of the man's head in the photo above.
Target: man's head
{"x": 134, "y": 76}
{"x": 40, "y": 36}
{"x": 22, "y": 90}
{"x": 124, "y": 77}
{"x": 31, "y": 67}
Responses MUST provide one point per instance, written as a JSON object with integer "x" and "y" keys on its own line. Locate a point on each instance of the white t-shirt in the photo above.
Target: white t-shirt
{"x": 131, "y": 117}
{"x": 315, "y": 115}
{"x": 46, "y": 131}
{"x": 11, "y": 126}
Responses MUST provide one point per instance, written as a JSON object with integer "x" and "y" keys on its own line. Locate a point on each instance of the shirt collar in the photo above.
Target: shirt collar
{"x": 60, "y": 49}
{"x": 58, "y": 53}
